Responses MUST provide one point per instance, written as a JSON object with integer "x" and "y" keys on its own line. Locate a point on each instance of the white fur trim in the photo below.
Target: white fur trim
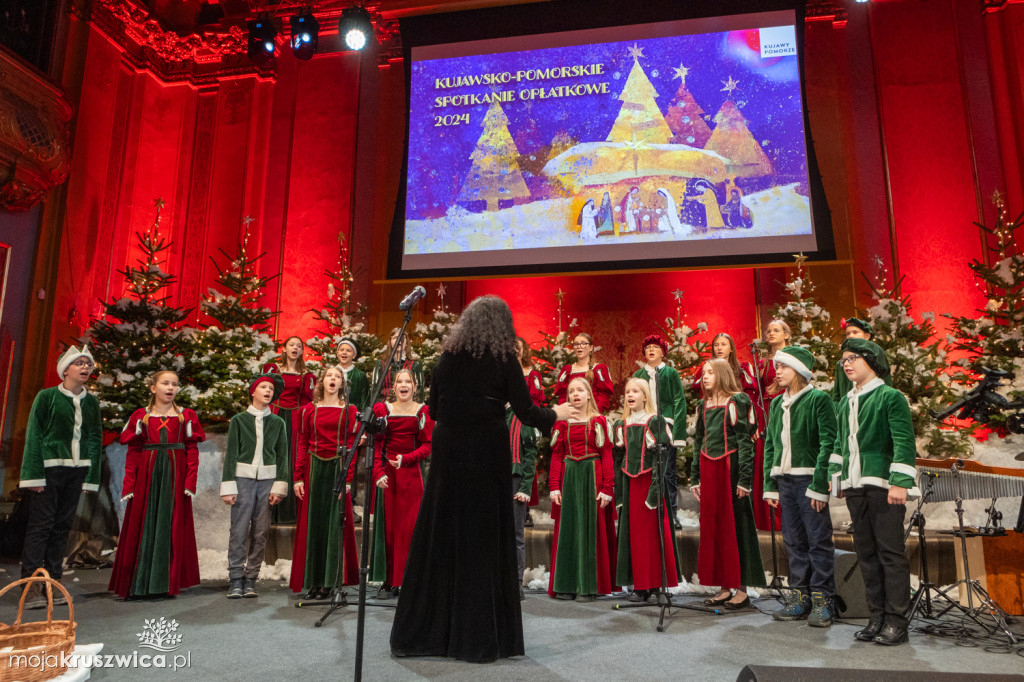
{"x": 279, "y": 488}
{"x": 70, "y": 355}
{"x": 90, "y": 487}
{"x": 905, "y": 469}
{"x": 228, "y": 488}
{"x": 816, "y": 496}
{"x": 33, "y": 483}
{"x": 791, "y": 360}
{"x": 769, "y": 495}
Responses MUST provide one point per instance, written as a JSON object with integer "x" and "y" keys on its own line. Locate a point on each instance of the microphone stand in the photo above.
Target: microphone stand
{"x": 664, "y": 601}
{"x": 370, "y": 426}
{"x": 776, "y": 583}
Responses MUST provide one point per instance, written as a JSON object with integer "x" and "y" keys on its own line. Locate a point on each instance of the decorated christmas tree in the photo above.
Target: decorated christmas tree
{"x": 994, "y": 338}
{"x": 139, "y": 333}
{"x": 228, "y": 351}
{"x": 495, "y": 175}
{"x": 685, "y": 117}
{"x": 918, "y": 364}
{"x": 809, "y": 322}
{"x": 339, "y": 317}
{"x": 556, "y": 349}
{"x": 640, "y": 119}
{"x": 732, "y": 139}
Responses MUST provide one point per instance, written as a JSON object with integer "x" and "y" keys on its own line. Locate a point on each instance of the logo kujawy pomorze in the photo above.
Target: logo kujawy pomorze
{"x": 160, "y": 635}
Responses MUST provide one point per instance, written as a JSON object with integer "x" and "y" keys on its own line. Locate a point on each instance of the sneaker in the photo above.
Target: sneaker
{"x": 235, "y": 588}
{"x": 249, "y": 588}
{"x": 822, "y": 611}
{"x": 797, "y": 606}
{"x": 35, "y": 599}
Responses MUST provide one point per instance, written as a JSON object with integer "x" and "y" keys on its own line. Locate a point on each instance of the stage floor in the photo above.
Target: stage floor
{"x": 268, "y": 637}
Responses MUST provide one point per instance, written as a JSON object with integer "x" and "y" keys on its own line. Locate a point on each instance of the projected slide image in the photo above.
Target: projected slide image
{"x": 672, "y": 141}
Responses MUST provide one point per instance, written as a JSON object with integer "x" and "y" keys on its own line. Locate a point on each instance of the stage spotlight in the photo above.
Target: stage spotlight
{"x": 305, "y": 35}
{"x": 355, "y": 27}
{"x": 261, "y": 40}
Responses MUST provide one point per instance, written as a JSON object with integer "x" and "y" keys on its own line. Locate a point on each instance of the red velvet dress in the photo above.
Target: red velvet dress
{"x": 535, "y": 383}
{"x": 298, "y": 392}
{"x": 583, "y": 552}
{"x": 161, "y": 465}
{"x": 601, "y": 384}
{"x": 749, "y": 384}
{"x": 323, "y": 429}
{"x": 395, "y": 507}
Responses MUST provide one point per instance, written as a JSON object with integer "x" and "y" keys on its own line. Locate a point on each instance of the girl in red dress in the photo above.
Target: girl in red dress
{"x": 596, "y": 374}
{"x": 156, "y": 552}
{"x": 582, "y": 482}
{"x": 638, "y": 496}
{"x": 400, "y": 450}
{"x": 298, "y": 392}
{"x": 777, "y": 335}
{"x": 721, "y": 476}
{"x": 328, "y": 424}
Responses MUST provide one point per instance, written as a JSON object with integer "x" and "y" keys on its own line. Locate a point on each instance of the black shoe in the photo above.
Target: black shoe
{"x": 891, "y": 635}
{"x": 586, "y": 597}
{"x": 235, "y": 589}
{"x": 249, "y": 588}
{"x": 565, "y": 596}
{"x": 395, "y": 591}
{"x": 314, "y": 593}
{"x": 639, "y": 596}
{"x": 736, "y": 605}
{"x": 356, "y": 518}
{"x": 676, "y": 523}
{"x": 717, "y": 601}
{"x": 384, "y": 592}
{"x": 528, "y": 523}
{"x": 522, "y": 593}
{"x": 870, "y": 631}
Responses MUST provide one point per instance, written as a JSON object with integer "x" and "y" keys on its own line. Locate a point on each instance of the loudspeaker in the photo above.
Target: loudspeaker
{"x": 849, "y": 586}
{"x": 775, "y": 673}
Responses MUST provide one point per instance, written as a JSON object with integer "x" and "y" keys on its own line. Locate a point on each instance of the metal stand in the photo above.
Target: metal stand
{"x": 987, "y": 607}
{"x": 664, "y": 600}
{"x": 369, "y": 425}
{"x": 927, "y": 591}
{"x": 776, "y": 583}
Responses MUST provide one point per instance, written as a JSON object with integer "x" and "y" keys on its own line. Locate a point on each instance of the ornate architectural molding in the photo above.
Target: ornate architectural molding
{"x": 34, "y": 135}
{"x": 200, "y": 58}
{"x": 826, "y": 10}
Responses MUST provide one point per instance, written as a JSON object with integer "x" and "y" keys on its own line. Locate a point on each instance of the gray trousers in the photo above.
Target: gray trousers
{"x": 519, "y": 510}
{"x": 250, "y": 525}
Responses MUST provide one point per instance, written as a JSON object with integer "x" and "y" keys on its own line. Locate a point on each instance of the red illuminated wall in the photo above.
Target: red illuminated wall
{"x": 915, "y": 110}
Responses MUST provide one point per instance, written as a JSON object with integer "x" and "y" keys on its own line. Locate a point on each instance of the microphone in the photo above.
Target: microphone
{"x": 412, "y": 299}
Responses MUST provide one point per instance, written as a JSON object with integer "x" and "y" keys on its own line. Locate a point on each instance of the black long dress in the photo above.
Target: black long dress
{"x": 460, "y": 592}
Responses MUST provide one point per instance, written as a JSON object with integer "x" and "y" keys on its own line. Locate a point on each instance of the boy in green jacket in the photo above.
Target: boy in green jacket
{"x": 801, "y": 433}
{"x": 255, "y": 478}
{"x": 63, "y": 447}
{"x": 873, "y": 464}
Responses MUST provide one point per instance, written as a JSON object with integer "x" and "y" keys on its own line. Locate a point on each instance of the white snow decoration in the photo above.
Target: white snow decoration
{"x": 537, "y": 578}
{"x": 213, "y": 565}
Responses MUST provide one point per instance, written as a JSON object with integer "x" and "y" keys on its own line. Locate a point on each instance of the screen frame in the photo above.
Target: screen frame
{"x": 522, "y": 23}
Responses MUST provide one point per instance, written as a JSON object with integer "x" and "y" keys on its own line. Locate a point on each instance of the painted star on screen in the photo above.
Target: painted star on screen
{"x": 730, "y": 85}
{"x": 636, "y": 52}
{"x": 680, "y": 73}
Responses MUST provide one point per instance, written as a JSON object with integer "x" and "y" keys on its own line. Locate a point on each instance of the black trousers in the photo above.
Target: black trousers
{"x": 50, "y": 514}
{"x": 881, "y": 552}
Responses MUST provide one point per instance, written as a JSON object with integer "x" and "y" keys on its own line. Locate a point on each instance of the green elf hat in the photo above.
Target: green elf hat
{"x": 859, "y": 324}
{"x": 276, "y": 379}
{"x": 871, "y": 352}
{"x": 797, "y": 357}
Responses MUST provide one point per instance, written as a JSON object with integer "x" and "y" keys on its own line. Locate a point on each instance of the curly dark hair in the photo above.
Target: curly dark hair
{"x": 485, "y": 326}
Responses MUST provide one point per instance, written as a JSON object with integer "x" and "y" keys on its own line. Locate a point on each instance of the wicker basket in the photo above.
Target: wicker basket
{"x": 47, "y": 639}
